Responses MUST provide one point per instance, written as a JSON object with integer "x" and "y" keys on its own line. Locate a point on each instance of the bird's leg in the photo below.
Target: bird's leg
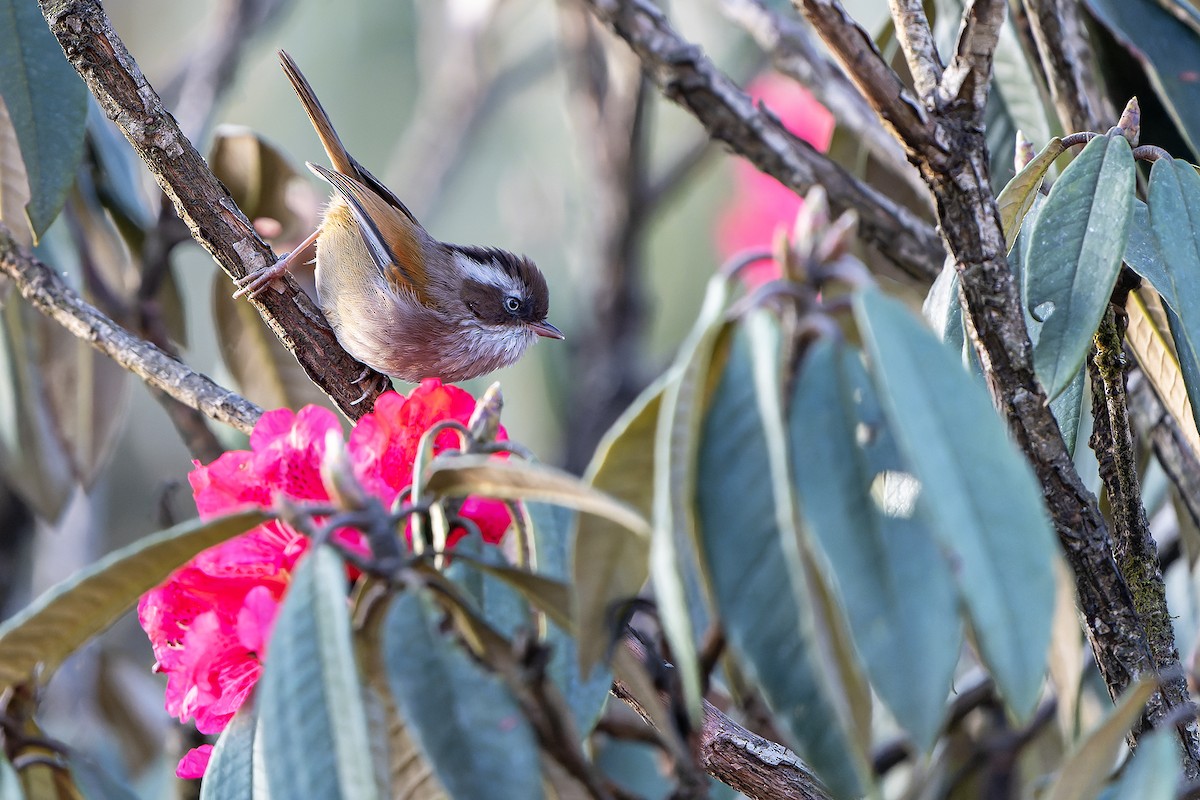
{"x": 382, "y": 382}
{"x": 254, "y": 283}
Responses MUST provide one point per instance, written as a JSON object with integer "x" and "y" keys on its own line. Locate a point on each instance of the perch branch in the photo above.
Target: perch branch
{"x": 685, "y": 75}
{"x": 97, "y": 53}
{"x": 47, "y": 292}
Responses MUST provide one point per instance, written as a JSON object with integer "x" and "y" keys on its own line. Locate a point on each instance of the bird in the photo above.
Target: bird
{"x": 400, "y": 301}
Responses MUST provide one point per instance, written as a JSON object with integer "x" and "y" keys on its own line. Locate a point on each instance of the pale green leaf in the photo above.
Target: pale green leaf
{"x": 230, "y": 771}
{"x": 1016, "y": 198}
{"x": 898, "y": 593}
{"x": 1153, "y": 772}
{"x": 610, "y": 563}
{"x": 316, "y": 741}
{"x": 978, "y": 495}
{"x": 464, "y": 720}
{"x": 1085, "y": 770}
{"x": 752, "y": 568}
{"x": 60, "y": 621}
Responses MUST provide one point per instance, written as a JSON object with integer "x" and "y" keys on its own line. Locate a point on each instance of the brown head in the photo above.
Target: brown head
{"x": 501, "y": 289}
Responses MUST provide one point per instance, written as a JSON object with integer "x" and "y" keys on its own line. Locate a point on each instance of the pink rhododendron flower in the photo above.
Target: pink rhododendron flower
{"x": 210, "y": 622}
{"x": 760, "y": 204}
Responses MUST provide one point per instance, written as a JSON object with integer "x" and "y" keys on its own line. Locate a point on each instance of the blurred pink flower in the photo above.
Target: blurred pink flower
{"x": 210, "y": 622}
{"x": 760, "y": 205}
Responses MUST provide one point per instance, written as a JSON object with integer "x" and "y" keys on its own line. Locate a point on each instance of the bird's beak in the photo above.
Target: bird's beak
{"x": 547, "y": 330}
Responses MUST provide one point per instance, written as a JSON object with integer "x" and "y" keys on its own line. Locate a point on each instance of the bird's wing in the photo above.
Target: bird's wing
{"x": 395, "y": 248}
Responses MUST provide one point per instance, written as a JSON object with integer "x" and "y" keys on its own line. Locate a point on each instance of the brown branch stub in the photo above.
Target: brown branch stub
{"x": 97, "y": 53}
{"x": 966, "y": 79}
{"x": 46, "y": 291}
{"x": 685, "y": 75}
{"x": 916, "y": 39}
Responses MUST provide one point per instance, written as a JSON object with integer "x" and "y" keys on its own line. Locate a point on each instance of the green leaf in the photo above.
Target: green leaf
{"x": 1015, "y": 200}
{"x": 1166, "y": 48}
{"x": 1075, "y": 256}
{"x": 553, "y": 528}
{"x": 751, "y": 573}
{"x": 1142, "y": 256}
{"x": 460, "y": 476}
{"x": 463, "y": 719}
{"x": 10, "y": 782}
{"x": 978, "y": 495}
{"x": 230, "y": 771}
{"x": 895, "y": 585}
{"x": 316, "y": 741}
{"x": 1153, "y": 772}
{"x": 60, "y": 621}
{"x": 610, "y": 563}
{"x": 1174, "y": 207}
{"x": 1084, "y": 771}
{"x": 47, "y": 104}
{"x": 675, "y": 446}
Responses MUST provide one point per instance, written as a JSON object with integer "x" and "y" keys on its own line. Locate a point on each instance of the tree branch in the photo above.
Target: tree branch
{"x": 794, "y": 53}
{"x": 970, "y": 71}
{"x": 916, "y": 40}
{"x": 1066, "y": 59}
{"x": 97, "y": 53}
{"x": 685, "y": 75}
{"x": 46, "y": 291}
{"x": 957, "y": 176}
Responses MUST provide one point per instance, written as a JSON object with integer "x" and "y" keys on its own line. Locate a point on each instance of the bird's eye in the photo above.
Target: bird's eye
{"x": 512, "y": 304}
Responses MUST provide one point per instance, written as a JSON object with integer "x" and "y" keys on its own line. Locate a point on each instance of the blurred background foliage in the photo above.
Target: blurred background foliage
{"x": 478, "y": 114}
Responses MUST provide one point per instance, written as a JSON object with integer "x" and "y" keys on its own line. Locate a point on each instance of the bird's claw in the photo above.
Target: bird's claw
{"x": 256, "y": 282}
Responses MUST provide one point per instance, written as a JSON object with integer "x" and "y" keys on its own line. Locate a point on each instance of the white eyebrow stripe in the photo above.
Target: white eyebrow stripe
{"x": 489, "y": 275}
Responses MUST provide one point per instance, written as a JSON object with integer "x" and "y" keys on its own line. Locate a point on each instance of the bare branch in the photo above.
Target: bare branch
{"x": 686, "y": 76}
{"x": 881, "y": 86}
{"x": 916, "y": 39}
{"x": 796, "y": 54}
{"x": 1066, "y": 57}
{"x": 966, "y": 79}
{"x": 97, "y": 53}
{"x": 46, "y": 291}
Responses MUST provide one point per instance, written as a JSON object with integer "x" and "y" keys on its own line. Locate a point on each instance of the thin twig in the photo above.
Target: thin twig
{"x": 970, "y": 71}
{"x": 97, "y": 53}
{"x": 46, "y": 291}
{"x": 685, "y": 75}
{"x": 1066, "y": 58}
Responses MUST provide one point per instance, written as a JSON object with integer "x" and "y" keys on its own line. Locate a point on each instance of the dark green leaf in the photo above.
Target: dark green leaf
{"x": 1142, "y": 256}
{"x": 553, "y": 527}
{"x": 898, "y": 592}
{"x": 977, "y": 493}
{"x": 47, "y": 104}
{"x": 751, "y": 573}
{"x": 1075, "y": 256}
{"x": 64, "y": 618}
{"x": 463, "y": 719}
{"x": 1174, "y": 201}
{"x": 230, "y": 771}
{"x": 316, "y": 741}
{"x": 1166, "y": 48}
